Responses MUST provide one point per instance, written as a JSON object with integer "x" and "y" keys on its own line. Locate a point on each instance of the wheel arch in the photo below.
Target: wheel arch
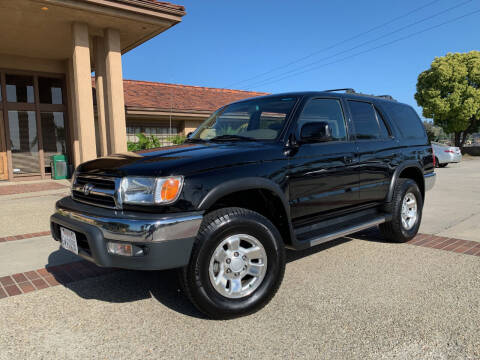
{"x": 258, "y": 194}
{"x": 410, "y": 170}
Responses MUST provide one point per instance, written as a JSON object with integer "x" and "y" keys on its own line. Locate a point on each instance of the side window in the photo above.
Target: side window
{"x": 383, "y": 128}
{"x": 365, "y": 120}
{"x": 326, "y": 110}
{"x": 407, "y": 120}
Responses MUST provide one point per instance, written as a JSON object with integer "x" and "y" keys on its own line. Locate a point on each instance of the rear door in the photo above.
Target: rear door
{"x": 322, "y": 174}
{"x": 376, "y": 149}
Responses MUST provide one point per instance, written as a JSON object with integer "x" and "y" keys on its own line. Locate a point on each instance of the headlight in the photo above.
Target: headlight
{"x": 149, "y": 190}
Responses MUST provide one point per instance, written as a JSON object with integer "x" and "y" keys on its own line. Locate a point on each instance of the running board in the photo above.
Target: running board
{"x": 323, "y": 237}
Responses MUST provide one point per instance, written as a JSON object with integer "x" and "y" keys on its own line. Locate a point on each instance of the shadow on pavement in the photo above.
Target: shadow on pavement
{"x": 122, "y": 286}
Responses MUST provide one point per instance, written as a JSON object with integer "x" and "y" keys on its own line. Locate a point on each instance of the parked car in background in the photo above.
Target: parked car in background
{"x": 445, "y": 154}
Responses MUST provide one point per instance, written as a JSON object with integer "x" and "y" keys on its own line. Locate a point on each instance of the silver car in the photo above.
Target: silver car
{"x": 445, "y": 154}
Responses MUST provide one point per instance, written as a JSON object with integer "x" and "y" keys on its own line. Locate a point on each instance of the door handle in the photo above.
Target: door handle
{"x": 348, "y": 159}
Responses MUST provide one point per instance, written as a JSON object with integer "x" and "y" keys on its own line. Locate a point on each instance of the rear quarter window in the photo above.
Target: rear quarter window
{"x": 407, "y": 121}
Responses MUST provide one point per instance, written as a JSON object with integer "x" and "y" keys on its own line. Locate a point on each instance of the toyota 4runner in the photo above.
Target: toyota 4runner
{"x": 282, "y": 171}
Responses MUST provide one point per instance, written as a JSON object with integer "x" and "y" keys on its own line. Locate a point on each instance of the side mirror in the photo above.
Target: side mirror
{"x": 316, "y": 132}
{"x": 189, "y": 134}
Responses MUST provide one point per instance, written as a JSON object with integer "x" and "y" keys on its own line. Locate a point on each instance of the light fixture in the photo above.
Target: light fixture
{"x": 44, "y": 8}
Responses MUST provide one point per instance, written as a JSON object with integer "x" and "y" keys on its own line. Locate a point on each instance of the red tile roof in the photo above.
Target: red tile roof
{"x": 153, "y": 95}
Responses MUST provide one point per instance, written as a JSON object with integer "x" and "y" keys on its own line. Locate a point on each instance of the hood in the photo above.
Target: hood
{"x": 182, "y": 159}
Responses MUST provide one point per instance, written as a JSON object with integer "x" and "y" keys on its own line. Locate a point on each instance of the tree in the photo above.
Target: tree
{"x": 449, "y": 93}
{"x": 430, "y": 132}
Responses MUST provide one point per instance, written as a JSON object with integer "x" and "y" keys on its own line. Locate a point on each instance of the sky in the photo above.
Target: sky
{"x": 374, "y": 47}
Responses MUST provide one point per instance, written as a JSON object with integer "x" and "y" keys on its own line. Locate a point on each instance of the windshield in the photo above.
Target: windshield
{"x": 256, "y": 119}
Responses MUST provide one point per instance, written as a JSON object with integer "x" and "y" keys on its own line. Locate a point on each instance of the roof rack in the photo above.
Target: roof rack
{"x": 347, "y": 90}
{"x": 352, "y": 91}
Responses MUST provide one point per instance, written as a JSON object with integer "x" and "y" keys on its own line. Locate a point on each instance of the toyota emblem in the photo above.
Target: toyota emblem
{"x": 87, "y": 188}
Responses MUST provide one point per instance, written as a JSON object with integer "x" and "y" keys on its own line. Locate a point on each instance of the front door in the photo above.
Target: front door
{"x": 322, "y": 175}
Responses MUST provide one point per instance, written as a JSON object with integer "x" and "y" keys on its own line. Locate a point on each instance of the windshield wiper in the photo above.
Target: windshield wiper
{"x": 232, "y": 138}
{"x": 194, "y": 140}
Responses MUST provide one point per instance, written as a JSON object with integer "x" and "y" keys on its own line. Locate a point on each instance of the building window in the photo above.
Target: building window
{"x": 33, "y": 111}
{"x": 50, "y": 90}
{"x": 20, "y": 89}
{"x": 162, "y": 133}
{"x": 53, "y": 135}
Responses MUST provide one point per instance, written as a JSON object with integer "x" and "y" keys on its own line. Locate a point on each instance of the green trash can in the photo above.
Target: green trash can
{"x": 59, "y": 167}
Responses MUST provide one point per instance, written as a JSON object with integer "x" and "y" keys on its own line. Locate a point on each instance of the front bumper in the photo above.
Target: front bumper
{"x": 166, "y": 240}
{"x": 429, "y": 179}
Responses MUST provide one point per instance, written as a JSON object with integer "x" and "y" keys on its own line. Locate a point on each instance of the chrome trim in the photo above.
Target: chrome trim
{"x": 99, "y": 191}
{"x": 429, "y": 180}
{"x": 350, "y": 230}
{"x": 140, "y": 230}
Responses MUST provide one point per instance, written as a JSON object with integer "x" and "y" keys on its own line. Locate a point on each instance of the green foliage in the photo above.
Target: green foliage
{"x": 144, "y": 142}
{"x": 435, "y": 133}
{"x": 449, "y": 93}
{"x": 177, "y": 139}
{"x": 429, "y": 129}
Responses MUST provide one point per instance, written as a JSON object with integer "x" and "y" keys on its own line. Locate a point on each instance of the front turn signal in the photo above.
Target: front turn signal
{"x": 168, "y": 189}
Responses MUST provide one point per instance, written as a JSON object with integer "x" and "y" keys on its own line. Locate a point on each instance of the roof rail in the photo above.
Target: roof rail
{"x": 347, "y": 90}
{"x": 388, "y": 97}
{"x": 352, "y": 91}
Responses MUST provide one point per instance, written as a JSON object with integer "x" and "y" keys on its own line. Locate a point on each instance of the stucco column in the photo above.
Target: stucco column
{"x": 114, "y": 92}
{"x": 82, "y": 78}
{"x": 100, "y": 84}
{"x": 72, "y": 115}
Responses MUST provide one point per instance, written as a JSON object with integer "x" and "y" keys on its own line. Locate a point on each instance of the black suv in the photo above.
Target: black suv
{"x": 291, "y": 170}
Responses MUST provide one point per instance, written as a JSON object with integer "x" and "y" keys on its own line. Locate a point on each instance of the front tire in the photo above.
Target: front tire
{"x": 406, "y": 209}
{"x": 442, "y": 165}
{"x": 237, "y": 264}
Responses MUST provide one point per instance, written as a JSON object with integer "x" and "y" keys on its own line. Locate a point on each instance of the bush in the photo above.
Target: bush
{"x": 144, "y": 142}
{"x": 178, "y": 139}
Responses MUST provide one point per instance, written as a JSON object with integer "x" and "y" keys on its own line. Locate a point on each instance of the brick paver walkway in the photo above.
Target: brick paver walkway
{"x": 29, "y": 281}
{"x": 26, "y": 188}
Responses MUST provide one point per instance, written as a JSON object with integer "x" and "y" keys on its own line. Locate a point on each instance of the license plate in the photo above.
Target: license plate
{"x": 69, "y": 240}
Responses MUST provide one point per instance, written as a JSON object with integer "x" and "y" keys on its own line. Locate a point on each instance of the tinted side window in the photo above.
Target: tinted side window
{"x": 365, "y": 120}
{"x": 326, "y": 110}
{"x": 383, "y": 128}
{"x": 407, "y": 120}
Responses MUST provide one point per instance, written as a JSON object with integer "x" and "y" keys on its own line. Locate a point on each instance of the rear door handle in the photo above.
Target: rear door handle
{"x": 348, "y": 159}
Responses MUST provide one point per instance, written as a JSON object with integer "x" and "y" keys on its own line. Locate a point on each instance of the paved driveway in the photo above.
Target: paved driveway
{"x": 355, "y": 298}
{"x": 452, "y": 207}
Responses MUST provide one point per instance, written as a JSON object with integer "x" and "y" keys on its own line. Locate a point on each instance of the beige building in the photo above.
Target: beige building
{"x": 49, "y": 50}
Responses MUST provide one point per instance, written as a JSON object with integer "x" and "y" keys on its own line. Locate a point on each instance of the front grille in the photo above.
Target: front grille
{"x": 96, "y": 190}
{"x": 104, "y": 201}
{"x": 100, "y": 182}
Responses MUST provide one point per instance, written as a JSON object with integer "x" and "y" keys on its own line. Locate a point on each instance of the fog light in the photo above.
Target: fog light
{"x": 120, "y": 249}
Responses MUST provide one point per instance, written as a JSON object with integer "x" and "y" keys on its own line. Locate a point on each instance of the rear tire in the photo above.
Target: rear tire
{"x": 443, "y": 165}
{"x": 237, "y": 264}
{"x": 406, "y": 209}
